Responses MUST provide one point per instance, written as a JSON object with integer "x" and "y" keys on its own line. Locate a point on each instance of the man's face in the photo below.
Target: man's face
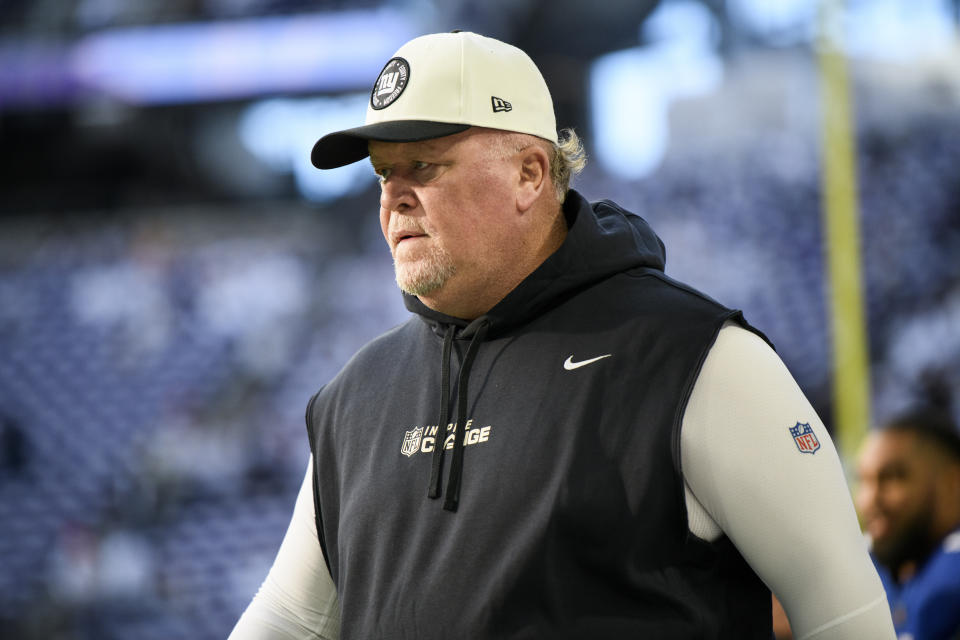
{"x": 447, "y": 210}
{"x": 896, "y": 496}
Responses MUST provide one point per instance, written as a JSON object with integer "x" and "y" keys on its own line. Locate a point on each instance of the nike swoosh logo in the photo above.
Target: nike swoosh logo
{"x": 570, "y": 365}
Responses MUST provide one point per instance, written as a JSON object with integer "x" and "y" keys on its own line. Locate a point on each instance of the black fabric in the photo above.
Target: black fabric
{"x": 350, "y": 145}
{"x": 317, "y": 513}
{"x": 436, "y": 473}
{"x": 456, "y": 466}
{"x": 570, "y": 517}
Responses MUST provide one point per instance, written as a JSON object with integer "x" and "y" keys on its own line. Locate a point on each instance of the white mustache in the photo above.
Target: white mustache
{"x": 403, "y": 229}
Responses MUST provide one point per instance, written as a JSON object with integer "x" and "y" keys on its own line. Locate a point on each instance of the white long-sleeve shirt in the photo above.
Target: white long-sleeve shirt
{"x": 789, "y": 513}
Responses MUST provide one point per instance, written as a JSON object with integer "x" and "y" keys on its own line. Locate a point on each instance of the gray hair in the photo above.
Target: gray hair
{"x": 567, "y": 158}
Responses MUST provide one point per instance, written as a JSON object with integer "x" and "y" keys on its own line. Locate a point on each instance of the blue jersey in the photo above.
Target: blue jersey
{"x": 927, "y": 606}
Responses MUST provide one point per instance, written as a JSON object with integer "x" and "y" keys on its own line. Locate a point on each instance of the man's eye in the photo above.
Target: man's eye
{"x": 419, "y": 165}
{"x": 382, "y": 174}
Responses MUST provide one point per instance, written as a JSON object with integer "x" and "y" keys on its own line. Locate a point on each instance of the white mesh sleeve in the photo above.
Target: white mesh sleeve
{"x": 297, "y": 600}
{"x": 788, "y": 512}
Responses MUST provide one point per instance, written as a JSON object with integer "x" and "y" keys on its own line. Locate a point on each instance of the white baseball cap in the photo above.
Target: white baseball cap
{"x": 444, "y": 83}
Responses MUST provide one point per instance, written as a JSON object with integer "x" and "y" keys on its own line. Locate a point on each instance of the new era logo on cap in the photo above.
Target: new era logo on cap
{"x": 499, "y": 104}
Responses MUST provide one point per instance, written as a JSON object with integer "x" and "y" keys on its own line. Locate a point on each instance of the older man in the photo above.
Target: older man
{"x": 562, "y": 442}
{"x": 909, "y": 497}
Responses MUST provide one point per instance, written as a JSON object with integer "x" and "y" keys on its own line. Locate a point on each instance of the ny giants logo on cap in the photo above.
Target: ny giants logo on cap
{"x": 390, "y": 83}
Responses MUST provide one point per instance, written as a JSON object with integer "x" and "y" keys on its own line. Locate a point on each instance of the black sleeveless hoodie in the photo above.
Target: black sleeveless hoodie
{"x": 557, "y": 510}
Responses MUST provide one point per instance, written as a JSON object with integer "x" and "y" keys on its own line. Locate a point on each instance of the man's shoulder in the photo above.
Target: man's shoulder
{"x": 671, "y": 290}
{"x": 648, "y": 295}
{"x": 392, "y": 345}
{"x": 390, "y": 351}
{"x": 951, "y": 545}
{"x": 931, "y": 597}
{"x": 944, "y": 566}
{"x": 940, "y": 574}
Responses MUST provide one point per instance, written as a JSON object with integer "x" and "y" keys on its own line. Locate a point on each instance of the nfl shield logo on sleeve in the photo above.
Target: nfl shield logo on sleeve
{"x": 805, "y": 438}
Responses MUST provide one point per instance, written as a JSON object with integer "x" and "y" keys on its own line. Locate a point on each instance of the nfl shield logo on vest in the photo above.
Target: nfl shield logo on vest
{"x": 805, "y": 438}
{"x": 411, "y": 441}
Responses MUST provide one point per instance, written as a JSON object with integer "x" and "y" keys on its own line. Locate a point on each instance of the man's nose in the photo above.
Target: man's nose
{"x": 397, "y": 195}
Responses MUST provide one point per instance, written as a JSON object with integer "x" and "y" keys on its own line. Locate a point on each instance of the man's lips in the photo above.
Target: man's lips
{"x": 397, "y": 237}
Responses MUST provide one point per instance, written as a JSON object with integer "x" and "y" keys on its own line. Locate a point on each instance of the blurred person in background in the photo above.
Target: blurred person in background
{"x": 562, "y": 442}
{"x": 909, "y": 500}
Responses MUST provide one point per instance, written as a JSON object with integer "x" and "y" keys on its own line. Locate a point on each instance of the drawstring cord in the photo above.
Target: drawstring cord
{"x": 456, "y": 465}
{"x": 437, "y": 468}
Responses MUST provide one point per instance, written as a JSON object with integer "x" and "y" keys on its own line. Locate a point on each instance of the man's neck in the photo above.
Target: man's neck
{"x": 905, "y": 572}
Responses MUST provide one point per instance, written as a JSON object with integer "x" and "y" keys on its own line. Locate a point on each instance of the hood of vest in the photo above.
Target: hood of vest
{"x": 602, "y": 240}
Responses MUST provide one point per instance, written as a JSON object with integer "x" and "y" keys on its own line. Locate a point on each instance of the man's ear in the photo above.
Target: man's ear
{"x": 534, "y": 176}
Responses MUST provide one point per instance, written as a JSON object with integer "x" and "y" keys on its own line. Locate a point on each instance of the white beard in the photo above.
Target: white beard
{"x": 426, "y": 274}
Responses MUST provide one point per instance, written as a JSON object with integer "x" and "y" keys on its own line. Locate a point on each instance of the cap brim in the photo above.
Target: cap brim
{"x": 344, "y": 147}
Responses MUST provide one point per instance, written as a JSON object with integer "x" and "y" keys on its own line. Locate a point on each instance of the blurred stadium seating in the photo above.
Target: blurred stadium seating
{"x": 161, "y": 331}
